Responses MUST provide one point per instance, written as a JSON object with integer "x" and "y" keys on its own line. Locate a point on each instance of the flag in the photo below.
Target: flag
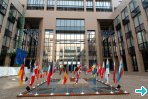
{"x": 107, "y": 67}
{"x": 90, "y": 69}
{"x": 103, "y": 71}
{"x": 74, "y": 72}
{"x": 114, "y": 73}
{"x": 94, "y": 78}
{"x": 71, "y": 67}
{"x": 79, "y": 67}
{"x": 37, "y": 70}
{"x": 121, "y": 70}
{"x": 20, "y": 56}
{"x": 94, "y": 72}
{"x": 49, "y": 74}
{"x": 65, "y": 77}
{"x": 107, "y": 72}
{"x": 21, "y": 74}
{"x": 78, "y": 73}
{"x": 99, "y": 70}
{"x": 32, "y": 79}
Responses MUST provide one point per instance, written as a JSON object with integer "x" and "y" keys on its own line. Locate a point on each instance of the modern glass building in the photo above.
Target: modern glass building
{"x": 76, "y": 31}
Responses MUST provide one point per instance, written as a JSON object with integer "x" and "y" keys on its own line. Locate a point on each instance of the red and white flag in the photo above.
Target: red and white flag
{"x": 103, "y": 71}
{"x": 114, "y": 74}
{"x": 49, "y": 74}
{"x": 32, "y": 80}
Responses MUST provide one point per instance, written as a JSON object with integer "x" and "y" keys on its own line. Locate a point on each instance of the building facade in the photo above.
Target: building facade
{"x": 84, "y": 31}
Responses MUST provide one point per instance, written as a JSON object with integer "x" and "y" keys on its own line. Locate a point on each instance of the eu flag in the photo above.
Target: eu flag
{"x": 20, "y": 56}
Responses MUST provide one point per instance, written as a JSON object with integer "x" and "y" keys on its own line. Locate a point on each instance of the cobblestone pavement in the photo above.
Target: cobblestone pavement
{"x": 10, "y": 87}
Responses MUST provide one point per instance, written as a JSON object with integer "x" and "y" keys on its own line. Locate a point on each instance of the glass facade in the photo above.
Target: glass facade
{"x": 70, "y": 41}
{"x": 50, "y": 4}
{"x": 124, "y": 13}
{"x": 71, "y": 5}
{"x": 133, "y": 5}
{"x": 103, "y": 5}
{"x": 91, "y": 37}
{"x": 70, "y": 25}
{"x": 35, "y": 4}
{"x": 48, "y": 45}
{"x": 3, "y": 6}
{"x": 89, "y": 5}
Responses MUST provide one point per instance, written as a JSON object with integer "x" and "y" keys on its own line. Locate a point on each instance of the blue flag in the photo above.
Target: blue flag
{"x": 71, "y": 67}
{"x": 20, "y": 56}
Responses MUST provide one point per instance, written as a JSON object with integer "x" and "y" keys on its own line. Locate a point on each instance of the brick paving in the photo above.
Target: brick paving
{"x": 10, "y": 87}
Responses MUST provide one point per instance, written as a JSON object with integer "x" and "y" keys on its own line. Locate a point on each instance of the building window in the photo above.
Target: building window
{"x": 9, "y": 26}
{"x": 50, "y": 4}
{"x": 70, "y": 5}
{"x": 91, "y": 36}
{"x": 3, "y": 6}
{"x": 141, "y": 36}
{"x": 138, "y": 20}
{"x": 70, "y": 41}
{"x": 124, "y": 13}
{"x": 89, "y": 5}
{"x": 116, "y": 21}
{"x": 70, "y": 25}
{"x": 12, "y": 14}
{"x": 133, "y": 5}
{"x": 35, "y": 4}
{"x": 1, "y": 21}
{"x": 130, "y": 42}
{"x": 127, "y": 28}
{"x": 48, "y": 45}
{"x": 103, "y": 5}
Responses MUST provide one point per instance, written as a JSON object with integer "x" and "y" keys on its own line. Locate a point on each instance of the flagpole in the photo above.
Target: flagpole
{"x": 36, "y": 85}
{"x": 52, "y": 93}
{"x": 97, "y": 87}
{"x": 20, "y": 94}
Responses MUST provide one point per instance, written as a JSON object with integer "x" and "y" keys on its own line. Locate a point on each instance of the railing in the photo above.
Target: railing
{"x": 35, "y": 6}
{"x": 8, "y": 33}
{"x": 131, "y": 50}
{"x": 104, "y": 8}
{"x": 125, "y": 20}
{"x": 128, "y": 34}
{"x": 143, "y": 46}
{"x": 135, "y": 12}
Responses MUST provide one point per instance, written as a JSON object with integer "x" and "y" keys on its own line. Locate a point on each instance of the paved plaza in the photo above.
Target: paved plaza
{"x": 10, "y": 87}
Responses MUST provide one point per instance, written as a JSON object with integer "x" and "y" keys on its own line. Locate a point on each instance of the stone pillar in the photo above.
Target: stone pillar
{"x": 45, "y": 5}
{"x": 94, "y": 5}
{"x": 54, "y": 46}
{"x": 41, "y": 42}
{"x": 7, "y": 61}
{"x": 99, "y": 43}
{"x": 118, "y": 49}
{"x": 86, "y": 48}
{"x": 128, "y": 57}
{"x": 137, "y": 51}
{"x": 55, "y": 6}
{"x": 84, "y": 5}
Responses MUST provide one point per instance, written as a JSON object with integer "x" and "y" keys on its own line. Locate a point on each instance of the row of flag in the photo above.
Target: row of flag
{"x": 36, "y": 74}
{"x": 104, "y": 72}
